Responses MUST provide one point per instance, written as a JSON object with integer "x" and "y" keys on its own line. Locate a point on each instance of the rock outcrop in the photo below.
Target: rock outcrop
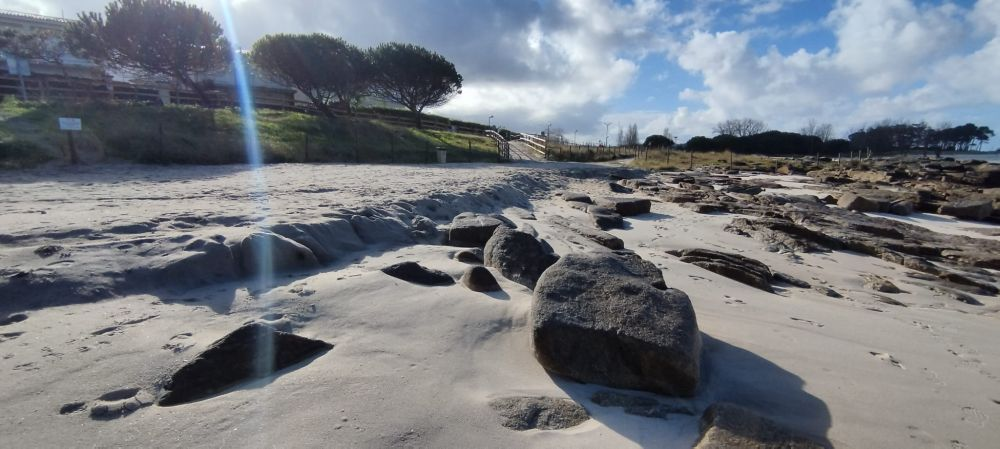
{"x": 479, "y": 279}
{"x": 734, "y": 266}
{"x": 473, "y": 230}
{"x": 252, "y": 351}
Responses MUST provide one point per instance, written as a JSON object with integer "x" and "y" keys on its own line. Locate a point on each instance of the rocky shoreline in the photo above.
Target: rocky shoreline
{"x": 566, "y": 306}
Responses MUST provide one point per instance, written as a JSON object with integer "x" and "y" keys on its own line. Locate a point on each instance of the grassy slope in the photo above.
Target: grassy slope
{"x": 681, "y": 160}
{"x": 190, "y": 135}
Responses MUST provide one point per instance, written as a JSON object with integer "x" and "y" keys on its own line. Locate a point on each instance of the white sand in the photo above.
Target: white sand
{"x": 415, "y": 366}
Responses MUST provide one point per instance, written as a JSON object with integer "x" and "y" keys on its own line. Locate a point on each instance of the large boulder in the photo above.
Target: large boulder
{"x": 730, "y": 426}
{"x": 473, "y": 230}
{"x": 625, "y": 206}
{"x": 971, "y": 209}
{"x": 608, "y": 318}
{"x": 253, "y": 351}
{"x": 263, "y": 252}
{"x": 519, "y": 256}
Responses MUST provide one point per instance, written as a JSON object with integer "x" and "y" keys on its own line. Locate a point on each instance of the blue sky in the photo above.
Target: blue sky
{"x": 680, "y": 65}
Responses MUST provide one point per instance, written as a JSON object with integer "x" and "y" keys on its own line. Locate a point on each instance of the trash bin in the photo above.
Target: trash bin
{"x": 442, "y": 155}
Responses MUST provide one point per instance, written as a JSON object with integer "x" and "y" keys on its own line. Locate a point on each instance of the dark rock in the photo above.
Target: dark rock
{"x": 783, "y": 234}
{"x": 889, "y": 301}
{"x": 705, "y": 208}
{"x": 746, "y": 189}
{"x": 473, "y": 230}
{"x": 978, "y": 287}
{"x": 605, "y": 218}
{"x": 600, "y": 237}
{"x": 479, "y": 279}
{"x": 13, "y": 318}
{"x": 972, "y": 210}
{"x": 608, "y": 318}
{"x": 618, "y": 188}
{"x": 730, "y": 426}
{"x": 790, "y": 280}
{"x": 525, "y": 413}
{"x": 253, "y": 351}
{"x": 902, "y": 207}
{"x": 266, "y": 251}
{"x": 418, "y": 274}
{"x": 851, "y": 201}
{"x": 471, "y": 255}
{"x": 47, "y": 250}
{"x": 957, "y": 296}
{"x": 734, "y": 266}
{"x": 626, "y": 206}
{"x": 827, "y": 291}
{"x": 576, "y": 196}
{"x": 880, "y": 284}
{"x": 519, "y": 256}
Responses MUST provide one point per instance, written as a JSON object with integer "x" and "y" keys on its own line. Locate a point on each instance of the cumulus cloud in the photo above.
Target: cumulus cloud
{"x": 891, "y": 59}
{"x": 570, "y": 62}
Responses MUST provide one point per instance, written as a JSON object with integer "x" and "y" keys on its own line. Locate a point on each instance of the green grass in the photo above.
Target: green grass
{"x": 29, "y": 135}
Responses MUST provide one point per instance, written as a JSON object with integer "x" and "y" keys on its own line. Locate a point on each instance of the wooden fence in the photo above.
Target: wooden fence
{"x": 503, "y": 146}
{"x": 58, "y": 88}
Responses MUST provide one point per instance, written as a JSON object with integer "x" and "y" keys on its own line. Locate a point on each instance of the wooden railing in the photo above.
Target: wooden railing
{"x": 503, "y": 146}
{"x": 537, "y": 143}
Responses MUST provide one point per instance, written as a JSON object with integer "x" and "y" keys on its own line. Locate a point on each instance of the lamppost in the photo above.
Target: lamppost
{"x": 490, "y": 125}
{"x": 607, "y": 128}
{"x": 574, "y": 136}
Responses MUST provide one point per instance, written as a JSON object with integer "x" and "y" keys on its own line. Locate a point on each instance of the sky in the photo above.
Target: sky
{"x": 681, "y": 66}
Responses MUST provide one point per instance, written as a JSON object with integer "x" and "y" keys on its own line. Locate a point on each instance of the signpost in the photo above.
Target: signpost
{"x": 71, "y": 124}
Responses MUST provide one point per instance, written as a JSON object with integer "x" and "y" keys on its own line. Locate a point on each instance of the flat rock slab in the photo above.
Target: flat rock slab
{"x": 626, "y": 206}
{"x": 543, "y": 413}
{"x": 733, "y": 266}
{"x": 608, "y": 318}
{"x": 418, "y": 274}
{"x": 252, "y": 351}
{"x": 729, "y": 426}
{"x": 597, "y": 236}
{"x": 576, "y": 196}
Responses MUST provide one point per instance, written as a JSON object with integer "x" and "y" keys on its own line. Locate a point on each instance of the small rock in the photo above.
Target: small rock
{"x": 479, "y": 279}
{"x": 827, "y": 291}
{"x": 47, "y": 250}
{"x": 618, "y": 188}
{"x": 576, "y": 196}
{"x": 790, "y": 280}
{"x": 729, "y": 426}
{"x": 880, "y": 284}
{"x": 471, "y": 255}
{"x": 418, "y": 274}
{"x": 626, "y": 206}
{"x": 851, "y": 201}
{"x": 543, "y": 413}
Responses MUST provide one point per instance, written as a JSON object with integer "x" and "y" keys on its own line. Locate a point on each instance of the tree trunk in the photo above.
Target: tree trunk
{"x": 420, "y": 119}
{"x": 198, "y": 90}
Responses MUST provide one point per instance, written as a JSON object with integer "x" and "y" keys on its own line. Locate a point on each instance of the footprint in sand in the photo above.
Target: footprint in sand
{"x": 9, "y": 336}
{"x": 974, "y": 416}
{"x": 179, "y": 343}
{"x": 119, "y": 403}
{"x": 888, "y": 358}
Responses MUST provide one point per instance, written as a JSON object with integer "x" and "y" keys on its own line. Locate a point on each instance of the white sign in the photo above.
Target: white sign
{"x": 70, "y": 124}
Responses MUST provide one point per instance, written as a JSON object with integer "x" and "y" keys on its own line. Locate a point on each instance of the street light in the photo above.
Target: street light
{"x": 490, "y": 125}
{"x": 607, "y": 128}
{"x": 574, "y": 136}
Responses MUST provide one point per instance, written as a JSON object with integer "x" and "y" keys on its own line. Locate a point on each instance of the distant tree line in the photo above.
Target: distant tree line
{"x": 888, "y": 137}
{"x": 183, "y": 42}
{"x": 749, "y": 136}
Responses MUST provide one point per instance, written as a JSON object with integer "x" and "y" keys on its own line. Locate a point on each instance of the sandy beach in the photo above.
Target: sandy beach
{"x": 123, "y": 300}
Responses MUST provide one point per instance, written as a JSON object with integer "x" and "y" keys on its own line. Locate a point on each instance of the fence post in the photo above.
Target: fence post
{"x": 305, "y": 147}
{"x": 691, "y": 163}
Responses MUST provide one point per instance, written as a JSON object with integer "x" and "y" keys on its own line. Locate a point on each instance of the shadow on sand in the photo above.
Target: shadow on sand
{"x": 729, "y": 374}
